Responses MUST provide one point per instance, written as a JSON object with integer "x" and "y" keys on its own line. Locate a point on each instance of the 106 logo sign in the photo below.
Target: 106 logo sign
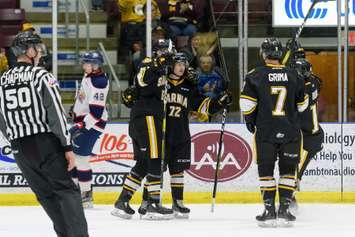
{"x": 236, "y": 156}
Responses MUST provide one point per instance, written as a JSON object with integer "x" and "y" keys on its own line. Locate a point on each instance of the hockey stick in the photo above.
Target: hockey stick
{"x": 300, "y": 28}
{"x": 224, "y": 115}
{"x": 163, "y": 130}
{"x": 163, "y": 141}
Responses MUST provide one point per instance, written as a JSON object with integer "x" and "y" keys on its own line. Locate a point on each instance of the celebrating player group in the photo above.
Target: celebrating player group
{"x": 278, "y": 101}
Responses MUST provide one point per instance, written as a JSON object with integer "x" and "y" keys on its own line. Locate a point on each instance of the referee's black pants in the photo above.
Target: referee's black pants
{"x": 41, "y": 160}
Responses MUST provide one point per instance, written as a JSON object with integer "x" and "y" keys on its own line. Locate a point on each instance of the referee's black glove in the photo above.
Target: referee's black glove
{"x": 251, "y": 127}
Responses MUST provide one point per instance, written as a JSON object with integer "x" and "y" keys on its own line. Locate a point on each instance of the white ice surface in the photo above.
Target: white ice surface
{"x": 313, "y": 220}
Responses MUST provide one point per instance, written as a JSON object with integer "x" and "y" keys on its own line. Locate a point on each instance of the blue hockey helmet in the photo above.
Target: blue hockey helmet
{"x": 92, "y": 57}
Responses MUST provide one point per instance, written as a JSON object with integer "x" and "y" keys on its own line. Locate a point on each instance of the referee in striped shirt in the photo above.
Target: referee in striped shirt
{"x": 32, "y": 119}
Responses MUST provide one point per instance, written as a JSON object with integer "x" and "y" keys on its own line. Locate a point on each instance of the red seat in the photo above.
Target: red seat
{"x": 6, "y": 40}
{"x": 7, "y": 4}
{"x": 10, "y": 29}
{"x": 12, "y": 16}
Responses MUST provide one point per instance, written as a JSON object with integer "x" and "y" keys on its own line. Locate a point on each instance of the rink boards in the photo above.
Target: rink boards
{"x": 330, "y": 176}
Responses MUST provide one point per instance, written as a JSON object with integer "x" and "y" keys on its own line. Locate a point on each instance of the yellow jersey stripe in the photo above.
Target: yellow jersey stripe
{"x": 249, "y": 98}
{"x": 153, "y": 143}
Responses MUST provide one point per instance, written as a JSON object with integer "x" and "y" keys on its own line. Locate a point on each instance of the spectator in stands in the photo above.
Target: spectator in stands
{"x": 113, "y": 15}
{"x": 133, "y": 22}
{"x": 182, "y": 18}
{"x": 191, "y": 51}
{"x": 97, "y": 5}
{"x": 3, "y": 61}
{"x": 210, "y": 78}
{"x": 27, "y": 26}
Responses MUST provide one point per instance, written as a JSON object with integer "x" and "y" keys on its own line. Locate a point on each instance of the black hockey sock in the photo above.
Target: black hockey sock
{"x": 287, "y": 181}
{"x": 267, "y": 187}
{"x": 145, "y": 192}
{"x": 153, "y": 187}
{"x": 130, "y": 186}
{"x": 177, "y": 186}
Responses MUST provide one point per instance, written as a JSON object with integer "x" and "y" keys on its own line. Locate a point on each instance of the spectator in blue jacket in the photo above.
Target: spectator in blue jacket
{"x": 211, "y": 81}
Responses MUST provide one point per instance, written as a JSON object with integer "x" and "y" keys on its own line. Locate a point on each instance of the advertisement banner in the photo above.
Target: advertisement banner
{"x": 331, "y": 170}
{"x": 286, "y": 13}
{"x": 46, "y": 5}
{"x": 97, "y": 31}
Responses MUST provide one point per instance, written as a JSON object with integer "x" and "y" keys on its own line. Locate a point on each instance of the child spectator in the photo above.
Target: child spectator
{"x": 210, "y": 77}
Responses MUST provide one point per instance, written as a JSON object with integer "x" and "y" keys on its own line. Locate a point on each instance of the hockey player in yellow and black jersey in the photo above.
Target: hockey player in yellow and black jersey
{"x": 181, "y": 97}
{"x": 145, "y": 130}
{"x": 271, "y": 99}
{"x": 313, "y": 134}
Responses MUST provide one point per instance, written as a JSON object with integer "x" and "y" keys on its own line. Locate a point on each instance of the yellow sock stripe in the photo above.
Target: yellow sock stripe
{"x": 288, "y": 177}
{"x": 268, "y": 189}
{"x": 153, "y": 183}
{"x": 154, "y": 193}
{"x": 266, "y": 178}
{"x": 128, "y": 188}
{"x": 177, "y": 185}
{"x": 287, "y": 187}
{"x": 134, "y": 180}
{"x": 153, "y": 143}
{"x": 177, "y": 175}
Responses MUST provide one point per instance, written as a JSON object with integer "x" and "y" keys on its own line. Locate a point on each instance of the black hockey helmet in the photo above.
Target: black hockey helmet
{"x": 23, "y": 41}
{"x": 180, "y": 58}
{"x": 271, "y": 48}
{"x": 303, "y": 68}
{"x": 163, "y": 47}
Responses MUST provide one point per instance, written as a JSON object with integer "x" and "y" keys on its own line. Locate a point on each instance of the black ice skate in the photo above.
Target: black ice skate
{"x": 294, "y": 206}
{"x": 284, "y": 217}
{"x": 180, "y": 211}
{"x": 268, "y": 218}
{"x": 155, "y": 211}
{"x": 123, "y": 210}
{"x": 87, "y": 199}
{"x": 142, "y": 210}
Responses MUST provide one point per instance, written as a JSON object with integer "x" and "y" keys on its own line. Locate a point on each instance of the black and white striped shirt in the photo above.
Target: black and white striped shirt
{"x": 30, "y": 103}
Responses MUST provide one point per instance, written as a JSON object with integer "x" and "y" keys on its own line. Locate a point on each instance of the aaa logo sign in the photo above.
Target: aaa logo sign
{"x": 236, "y": 156}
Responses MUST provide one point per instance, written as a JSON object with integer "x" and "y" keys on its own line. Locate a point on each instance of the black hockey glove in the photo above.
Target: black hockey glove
{"x": 129, "y": 96}
{"x": 293, "y": 45}
{"x": 296, "y": 49}
{"x": 225, "y": 99}
{"x": 192, "y": 76}
{"x": 251, "y": 127}
{"x": 165, "y": 60}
